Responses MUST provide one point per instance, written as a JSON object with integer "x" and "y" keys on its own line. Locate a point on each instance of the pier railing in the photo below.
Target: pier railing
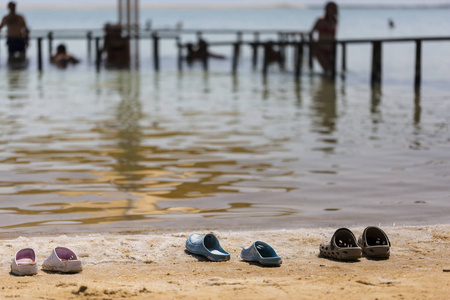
{"x": 298, "y": 40}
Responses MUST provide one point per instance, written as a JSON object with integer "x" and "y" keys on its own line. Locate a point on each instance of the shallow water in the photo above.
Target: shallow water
{"x": 127, "y": 149}
{"x": 132, "y": 150}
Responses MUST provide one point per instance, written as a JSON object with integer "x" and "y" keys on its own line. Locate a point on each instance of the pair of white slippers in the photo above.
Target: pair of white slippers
{"x": 60, "y": 260}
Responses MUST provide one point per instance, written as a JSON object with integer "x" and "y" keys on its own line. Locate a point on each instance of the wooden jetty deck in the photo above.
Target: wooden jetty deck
{"x": 296, "y": 40}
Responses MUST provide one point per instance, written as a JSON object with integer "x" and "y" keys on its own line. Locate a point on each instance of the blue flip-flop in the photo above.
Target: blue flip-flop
{"x": 262, "y": 253}
{"x": 208, "y": 246}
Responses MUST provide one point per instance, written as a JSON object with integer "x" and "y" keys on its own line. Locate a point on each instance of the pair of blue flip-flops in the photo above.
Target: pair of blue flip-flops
{"x": 209, "y": 246}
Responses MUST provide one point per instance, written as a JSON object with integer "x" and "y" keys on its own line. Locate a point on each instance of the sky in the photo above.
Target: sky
{"x": 216, "y": 3}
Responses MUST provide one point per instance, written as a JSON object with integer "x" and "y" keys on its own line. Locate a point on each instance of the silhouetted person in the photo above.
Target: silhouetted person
{"x": 273, "y": 56}
{"x": 116, "y": 47}
{"x": 61, "y": 58}
{"x": 17, "y": 36}
{"x": 198, "y": 52}
{"x": 326, "y": 27}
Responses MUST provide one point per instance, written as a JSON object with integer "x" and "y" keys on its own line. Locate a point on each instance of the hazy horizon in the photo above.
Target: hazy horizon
{"x": 29, "y": 4}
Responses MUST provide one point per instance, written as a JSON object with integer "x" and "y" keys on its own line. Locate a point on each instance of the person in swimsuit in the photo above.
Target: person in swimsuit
{"x": 198, "y": 52}
{"x": 62, "y": 59}
{"x": 17, "y": 36}
{"x": 273, "y": 54}
{"x": 326, "y": 27}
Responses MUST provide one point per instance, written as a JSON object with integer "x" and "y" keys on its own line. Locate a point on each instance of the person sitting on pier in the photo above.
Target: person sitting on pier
{"x": 199, "y": 52}
{"x": 116, "y": 47}
{"x": 61, "y": 59}
{"x": 273, "y": 55}
{"x": 17, "y": 36}
{"x": 326, "y": 27}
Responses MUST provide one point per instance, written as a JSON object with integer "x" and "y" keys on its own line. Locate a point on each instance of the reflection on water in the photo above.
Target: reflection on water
{"x": 324, "y": 106}
{"x": 417, "y": 107}
{"x": 135, "y": 148}
{"x": 17, "y": 84}
{"x": 129, "y": 133}
{"x": 17, "y": 63}
{"x": 375, "y": 100}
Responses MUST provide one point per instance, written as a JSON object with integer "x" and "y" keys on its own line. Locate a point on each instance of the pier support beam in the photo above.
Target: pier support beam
{"x": 180, "y": 55}
{"x": 39, "y": 54}
{"x": 333, "y": 60}
{"x": 236, "y": 48}
{"x": 298, "y": 60}
{"x": 50, "y": 44}
{"x": 265, "y": 67}
{"x": 98, "y": 54}
{"x": 89, "y": 41}
{"x": 255, "y": 47}
{"x": 418, "y": 68}
{"x": 311, "y": 55}
{"x": 155, "y": 51}
{"x": 344, "y": 60}
{"x": 204, "y": 54}
{"x": 282, "y": 50}
{"x": 376, "y": 63}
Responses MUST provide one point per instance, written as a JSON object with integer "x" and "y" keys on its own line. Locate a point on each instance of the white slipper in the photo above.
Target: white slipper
{"x": 62, "y": 260}
{"x": 24, "y": 262}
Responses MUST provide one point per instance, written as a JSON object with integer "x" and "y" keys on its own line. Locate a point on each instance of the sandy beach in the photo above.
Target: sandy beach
{"x": 143, "y": 265}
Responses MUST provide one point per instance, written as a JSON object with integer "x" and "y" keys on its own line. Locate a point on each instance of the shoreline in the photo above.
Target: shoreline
{"x": 156, "y": 265}
{"x": 173, "y": 226}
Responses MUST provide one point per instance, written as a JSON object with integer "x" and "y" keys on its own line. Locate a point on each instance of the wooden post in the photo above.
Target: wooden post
{"x": 344, "y": 57}
{"x": 180, "y": 54}
{"x": 266, "y": 59}
{"x": 50, "y": 44}
{"x": 418, "y": 69}
{"x": 239, "y": 42}
{"x": 235, "y": 58}
{"x": 89, "y": 40}
{"x": 298, "y": 59}
{"x": 155, "y": 51}
{"x": 333, "y": 59}
{"x": 255, "y": 47}
{"x": 376, "y": 63}
{"x": 97, "y": 54}
{"x": 295, "y": 53}
{"x": 311, "y": 55}
{"x": 204, "y": 53}
{"x": 282, "y": 50}
{"x": 39, "y": 54}
{"x": 136, "y": 50}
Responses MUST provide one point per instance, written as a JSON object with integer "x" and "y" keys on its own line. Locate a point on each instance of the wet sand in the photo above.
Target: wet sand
{"x": 142, "y": 265}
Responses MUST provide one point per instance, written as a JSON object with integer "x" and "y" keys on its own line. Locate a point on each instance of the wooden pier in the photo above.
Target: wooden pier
{"x": 285, "y": 39}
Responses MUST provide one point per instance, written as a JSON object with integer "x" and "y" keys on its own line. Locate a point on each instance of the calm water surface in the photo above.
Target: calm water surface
{"x": 125, "y": 150}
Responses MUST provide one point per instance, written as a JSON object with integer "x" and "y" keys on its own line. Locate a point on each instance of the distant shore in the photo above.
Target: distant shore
{"x": 156, "y": 265}
{"x": 227, "y": 6}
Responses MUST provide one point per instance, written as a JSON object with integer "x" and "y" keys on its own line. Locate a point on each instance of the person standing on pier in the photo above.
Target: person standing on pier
{"x": 17, "y": 36}
{"x": 326, "y": 27}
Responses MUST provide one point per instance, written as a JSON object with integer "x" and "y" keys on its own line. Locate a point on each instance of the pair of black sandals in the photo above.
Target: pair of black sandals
{"x": 373, "y": 243}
